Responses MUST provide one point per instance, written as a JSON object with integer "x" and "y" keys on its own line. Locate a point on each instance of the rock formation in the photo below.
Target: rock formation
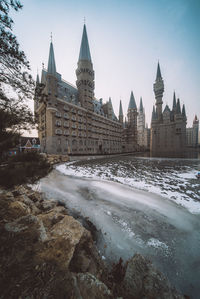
{"x": 46, "y": 253}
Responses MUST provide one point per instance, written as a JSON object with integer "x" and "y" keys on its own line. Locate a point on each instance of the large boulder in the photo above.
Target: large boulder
{"x": 46, "y": 253}
{"x": 88, "y": 286}
{"x": 142, "y": 280}
{"x": 43, "y": 250}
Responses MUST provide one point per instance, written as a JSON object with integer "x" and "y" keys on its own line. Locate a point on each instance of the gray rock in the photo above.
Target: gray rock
{"x": 142, "y": 280}
{"x": 88, "y": 286}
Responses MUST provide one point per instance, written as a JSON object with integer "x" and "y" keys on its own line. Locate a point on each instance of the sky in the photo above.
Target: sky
{"x": 126, "y": 38}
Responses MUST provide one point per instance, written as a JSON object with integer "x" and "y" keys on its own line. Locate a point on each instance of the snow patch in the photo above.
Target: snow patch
{"x": 156, "y": 243}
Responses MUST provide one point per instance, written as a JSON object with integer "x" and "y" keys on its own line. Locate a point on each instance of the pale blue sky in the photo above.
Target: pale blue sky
{"x": 126, "y": 40}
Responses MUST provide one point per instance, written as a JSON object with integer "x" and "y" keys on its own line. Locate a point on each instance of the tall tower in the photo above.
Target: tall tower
{"x": 195, "y": 131}
{"x": 131, "y": 131}
{"x": 85, "y": 74}
{"x": 141, "y": 117}
{"x": 51, "y": 84}
{"x": 142, "y": 131}
{"x": 158, "y": 88}
{"x": 132, "y": 112}
{"x": 174, "y": 103}
{"x": 120, "y": 113}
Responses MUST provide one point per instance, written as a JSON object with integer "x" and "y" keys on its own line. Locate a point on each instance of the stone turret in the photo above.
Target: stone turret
{"x": 166, "y": 114}
{"x": 51, "y": 82}
{"x": 158, "y": 88}
{"x": 183, "y": 112}
{"x": 141, "y": 117}
{"x": 132, "y": 112}
{"x": 85, "y": 74}
{"x": 174, "y": 102}
{"x": 120, "y": 113}
{"x": 196, "y": 131}
{"x": 153, "y": 116}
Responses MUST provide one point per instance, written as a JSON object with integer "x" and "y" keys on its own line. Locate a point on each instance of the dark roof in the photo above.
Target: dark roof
{"x": 158, "y": 75}
{"x": 85, "y": 49}
{"x": 51, "y": 62}
{"x": 132, "y": 104}
{"x": 33, "y": 140}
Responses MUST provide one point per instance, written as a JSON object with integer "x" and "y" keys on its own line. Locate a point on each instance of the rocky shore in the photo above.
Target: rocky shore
{"x": 46, "y": 253}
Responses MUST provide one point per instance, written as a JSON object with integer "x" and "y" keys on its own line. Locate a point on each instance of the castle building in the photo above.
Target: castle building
{"x": 192, "y": 134}
{"x": 71, "y": 120}
{"x": 142, "y": 128}
{"x": 168, "y": 127}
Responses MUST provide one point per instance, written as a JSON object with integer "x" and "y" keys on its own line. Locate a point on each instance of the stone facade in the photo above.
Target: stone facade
{"x": 71, "y": 120}
{"x": 168, "y": 127}
{"x": 192, "y": 134}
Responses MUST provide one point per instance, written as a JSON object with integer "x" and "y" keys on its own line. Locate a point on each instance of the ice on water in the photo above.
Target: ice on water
{"x": 149, "y": 206}
{"x": 159, "y": 176}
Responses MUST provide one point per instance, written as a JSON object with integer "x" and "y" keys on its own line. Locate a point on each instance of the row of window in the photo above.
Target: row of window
{"x": 66, "y": 124}
{"x": 89, "y": 142}
{"x": 83, "y": 134}
{"x": 66, "y": 108}
{"x": 73, "y": 117}
{"x": 67, "y": 133}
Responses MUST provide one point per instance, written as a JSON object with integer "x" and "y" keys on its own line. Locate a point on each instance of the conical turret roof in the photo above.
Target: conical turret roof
{"x": 84, "y": 49}
{"x": 51, "y": 63}
{"x": 120, "y": 109}
{"x": 158, "y": 75}
{"x": 166, "y": 109}
{"x": 183, "y": 111}
{"x": 132, "y": 104}
{"x": 141, "y": 105}
{"x": 37, "y": 79}
{"x": 153, "y": 117}
{"x": 178, "y": 107}
{"x": 174, "y": 101}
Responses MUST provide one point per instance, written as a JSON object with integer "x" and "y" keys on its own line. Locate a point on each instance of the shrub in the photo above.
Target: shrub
{"x": 23, "y": 168}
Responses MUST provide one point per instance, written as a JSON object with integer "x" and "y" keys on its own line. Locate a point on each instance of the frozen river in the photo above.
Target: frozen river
{"x": 150, "y": 206}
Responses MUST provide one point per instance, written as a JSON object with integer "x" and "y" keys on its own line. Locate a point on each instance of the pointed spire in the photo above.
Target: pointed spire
{"x": 51, "y": 63}
{"x": 178, "y": 107}
{"x": 166, "y": 109}
{"x": 120, "y": 109}
{"x": 183, "y": 111}
{"x": 37, "y": 79}
{"x": 141, "y": 105}
{"x": 132, "y": 104}
{"x": 174, "y": 101}
{"x": 84, "y": 50}
{"x": 158, "y": 75}
{"x": 153, "y": 117}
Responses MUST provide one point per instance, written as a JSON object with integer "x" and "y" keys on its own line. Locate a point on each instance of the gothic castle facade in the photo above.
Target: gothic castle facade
{"x": 168, "y": 127}
{"x": 72, "y": 121}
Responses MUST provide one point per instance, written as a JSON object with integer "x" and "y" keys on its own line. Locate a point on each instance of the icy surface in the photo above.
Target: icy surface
{"x": 175, "y": 180}
{"x": 111, "y": 193}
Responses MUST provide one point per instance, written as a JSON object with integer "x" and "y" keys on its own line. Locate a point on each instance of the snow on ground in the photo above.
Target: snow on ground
{"x": 175, "y": 184}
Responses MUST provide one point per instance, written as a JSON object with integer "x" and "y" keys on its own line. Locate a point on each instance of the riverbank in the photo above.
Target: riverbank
{"x": 47, "y": 253}
{"x": 129, "y": 220}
